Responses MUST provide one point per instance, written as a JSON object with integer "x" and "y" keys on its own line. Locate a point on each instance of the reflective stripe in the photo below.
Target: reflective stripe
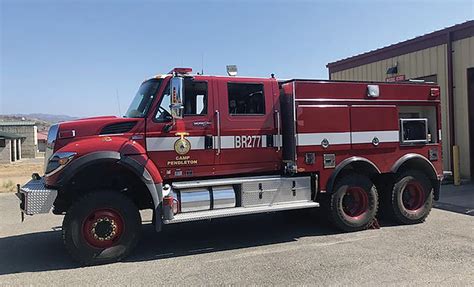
{"x": 367, "y": 137}
{"x": 167, "y": 143}
{"x": 198, "y": 142}
{"x": 303, "y": 139}
{"x": 226, "y": 142}
{"x": 317, "y": 138}
{"x": 309, "y": 139}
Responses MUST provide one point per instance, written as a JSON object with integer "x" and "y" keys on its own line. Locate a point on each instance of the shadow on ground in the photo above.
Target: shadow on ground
{"x": 44, "y": 251}
{"x": 459, "y": 199}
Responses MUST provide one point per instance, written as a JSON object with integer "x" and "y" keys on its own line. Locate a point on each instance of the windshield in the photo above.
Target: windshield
{"x": 143, "y": 99}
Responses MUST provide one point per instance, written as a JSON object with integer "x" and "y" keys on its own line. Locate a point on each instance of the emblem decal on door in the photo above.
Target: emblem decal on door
{"x": 182, "y": 146}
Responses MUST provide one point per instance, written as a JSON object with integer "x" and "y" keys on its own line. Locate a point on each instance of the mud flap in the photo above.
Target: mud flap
{"x": 436, "y": 190}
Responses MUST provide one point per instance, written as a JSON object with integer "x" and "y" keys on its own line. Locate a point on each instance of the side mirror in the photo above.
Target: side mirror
{"x": 177, "y": 100}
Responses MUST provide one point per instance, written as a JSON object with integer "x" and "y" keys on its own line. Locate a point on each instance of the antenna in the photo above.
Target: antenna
{"x": 118, "y": 102}
{"x": 202, "y": 63}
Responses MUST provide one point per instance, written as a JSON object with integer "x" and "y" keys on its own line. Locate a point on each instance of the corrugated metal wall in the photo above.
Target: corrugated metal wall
{"x": 463, "y": 59}
{"x": 427, "y": 62}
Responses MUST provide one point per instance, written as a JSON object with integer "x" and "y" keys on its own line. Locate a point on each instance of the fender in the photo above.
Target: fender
{"x": 351, "y": 160}
{"x": 153, "y": 184}
{"x": 410, "y": 156}
{"x": 141, "y": 166}
{"x": 84, "y": 161}
{"x": 427, "y": 165}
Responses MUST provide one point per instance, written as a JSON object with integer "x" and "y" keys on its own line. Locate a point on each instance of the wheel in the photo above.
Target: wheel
{"x": 101, "y": 227}
{"x": 411, "y": 197}
{"x": 354, "y": 203}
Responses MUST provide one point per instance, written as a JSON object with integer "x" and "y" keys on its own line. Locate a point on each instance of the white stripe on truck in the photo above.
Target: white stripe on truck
{"x": 308, "y": 139}
{"x": 302, "y": 139}
{"x": 367, "y": 137}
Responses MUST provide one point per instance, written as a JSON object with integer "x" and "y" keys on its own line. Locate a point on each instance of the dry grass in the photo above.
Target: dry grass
{"x": 18, "y": 172}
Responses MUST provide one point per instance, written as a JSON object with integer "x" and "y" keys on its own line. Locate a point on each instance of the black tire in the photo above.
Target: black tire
{"x": 347, "y": 213}
{"x": 408, "y": 206}
{"x": 116, "y": 231}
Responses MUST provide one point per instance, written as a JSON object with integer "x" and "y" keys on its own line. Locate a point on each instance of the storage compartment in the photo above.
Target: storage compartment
{"x": 259, "y": 192}
{"x": 294, "y": 189}
{"x": 276, "y": 191}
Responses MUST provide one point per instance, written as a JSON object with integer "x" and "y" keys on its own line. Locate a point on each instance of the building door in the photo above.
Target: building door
{"x": 470, "y": 96}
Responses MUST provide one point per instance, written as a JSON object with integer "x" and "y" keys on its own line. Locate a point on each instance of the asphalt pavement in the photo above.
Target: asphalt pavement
{"x": 286, "y": 248}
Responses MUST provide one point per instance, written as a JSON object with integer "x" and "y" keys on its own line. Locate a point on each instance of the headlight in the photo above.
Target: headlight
{"x": 58, "y": 161}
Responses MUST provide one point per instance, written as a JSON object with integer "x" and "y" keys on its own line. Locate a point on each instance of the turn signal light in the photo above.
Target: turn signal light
{"x": 435, "y": 92}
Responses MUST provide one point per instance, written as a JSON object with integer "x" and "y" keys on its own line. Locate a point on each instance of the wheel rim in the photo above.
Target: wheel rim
{"x": 355, "y": 202}
{"x": 103, "y": 228}
{"x": 413, "y": 196}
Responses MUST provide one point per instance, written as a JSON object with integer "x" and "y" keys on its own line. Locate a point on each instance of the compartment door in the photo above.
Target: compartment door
{"x": 374, "y": 126}
{"x": 323, "y": 128}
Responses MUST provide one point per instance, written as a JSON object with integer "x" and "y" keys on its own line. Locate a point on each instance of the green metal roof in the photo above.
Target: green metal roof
{"x": 5, "y": 135}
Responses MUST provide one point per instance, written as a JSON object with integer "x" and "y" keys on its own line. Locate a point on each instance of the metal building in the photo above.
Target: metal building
{"x": 446, "y": 57}
{"x": 10, "y": 147}
{"x": 27, "y": 130}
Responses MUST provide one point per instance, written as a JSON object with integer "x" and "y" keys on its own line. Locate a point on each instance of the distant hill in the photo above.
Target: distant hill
{"x": 53, "y": 119}
{"x": 43, "y": 121}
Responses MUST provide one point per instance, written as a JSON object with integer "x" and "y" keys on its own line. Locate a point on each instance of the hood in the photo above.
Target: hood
{"x": 94, "y": 126}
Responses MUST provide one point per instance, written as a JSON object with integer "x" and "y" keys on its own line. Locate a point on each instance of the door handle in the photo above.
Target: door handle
{"x": 278, "y": 143}
{"x": 218, "y": 123}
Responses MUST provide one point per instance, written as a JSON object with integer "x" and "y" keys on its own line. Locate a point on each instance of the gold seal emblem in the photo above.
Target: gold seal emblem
{"x": 182, "y": 145}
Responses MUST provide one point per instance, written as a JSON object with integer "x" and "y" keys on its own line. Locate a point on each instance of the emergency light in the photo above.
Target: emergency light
{"x": 231, "y": 70}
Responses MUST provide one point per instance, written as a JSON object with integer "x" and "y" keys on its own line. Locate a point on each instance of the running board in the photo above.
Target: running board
{"x": 227, "y": 212}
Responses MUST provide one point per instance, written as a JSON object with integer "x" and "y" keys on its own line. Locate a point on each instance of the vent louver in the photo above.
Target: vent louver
{"x": 117, "y": 128}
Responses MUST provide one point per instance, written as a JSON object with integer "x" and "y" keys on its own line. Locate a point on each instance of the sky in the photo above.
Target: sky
{"x": 87, "y": 58}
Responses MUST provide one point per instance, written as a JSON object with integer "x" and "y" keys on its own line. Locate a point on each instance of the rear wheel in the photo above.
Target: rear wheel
{"x": 411, "y": 197}
{"x": 354, "y": 203}
{"x": 101, "y": 227}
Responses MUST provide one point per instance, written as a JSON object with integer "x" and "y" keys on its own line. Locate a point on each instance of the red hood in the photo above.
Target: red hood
{"x": 94, "y": 126}
{"x": 95, "y": 118}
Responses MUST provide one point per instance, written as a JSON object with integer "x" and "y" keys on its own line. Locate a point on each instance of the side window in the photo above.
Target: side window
{"x": 246, "y": 99}
{"x": 195, "y": 102}
{"x": 164, "y": 109}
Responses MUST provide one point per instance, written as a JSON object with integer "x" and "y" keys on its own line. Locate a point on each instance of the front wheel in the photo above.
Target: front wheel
{"x": 354, "y": 203}
{"x": 101, "y": 227}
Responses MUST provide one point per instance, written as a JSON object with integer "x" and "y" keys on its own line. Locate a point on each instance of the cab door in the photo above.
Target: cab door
{"x": 185, "y": 149}
{"x": 247, "y": 132}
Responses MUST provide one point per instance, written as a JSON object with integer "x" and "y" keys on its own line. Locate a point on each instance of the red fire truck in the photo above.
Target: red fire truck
{"x": 199, "y": 147}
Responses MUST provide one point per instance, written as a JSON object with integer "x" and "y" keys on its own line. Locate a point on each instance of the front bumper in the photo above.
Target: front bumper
{"x": 35, "y": 198}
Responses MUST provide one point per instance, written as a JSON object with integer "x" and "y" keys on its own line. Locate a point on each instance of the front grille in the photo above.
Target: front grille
{"x": 117, "y": 128}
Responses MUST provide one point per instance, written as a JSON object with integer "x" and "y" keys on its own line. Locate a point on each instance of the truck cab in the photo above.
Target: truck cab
{"x": 226, "y": 125}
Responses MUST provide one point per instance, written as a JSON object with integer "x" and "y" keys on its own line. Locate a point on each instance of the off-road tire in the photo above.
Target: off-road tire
{"x": 72, "y": 230}
{"x": 339, "y": 217}
{"x": 397, "y": 211}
